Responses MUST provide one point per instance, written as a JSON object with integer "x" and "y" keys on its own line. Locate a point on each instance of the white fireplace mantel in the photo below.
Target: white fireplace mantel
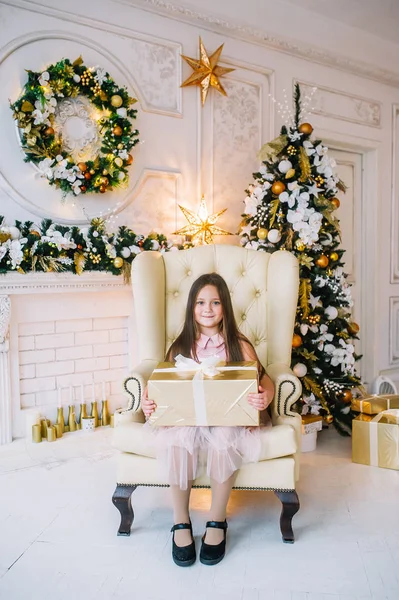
{"x": 39, "y": 283}
{"x": 112, "y": 298}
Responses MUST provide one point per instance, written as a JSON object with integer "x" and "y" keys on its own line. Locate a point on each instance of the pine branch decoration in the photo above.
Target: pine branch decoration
{"x": 274, "y": 204}
{"x": 305, "y": 289}
{"x": 304, "y": 165}
{"x": 271, "y": 149}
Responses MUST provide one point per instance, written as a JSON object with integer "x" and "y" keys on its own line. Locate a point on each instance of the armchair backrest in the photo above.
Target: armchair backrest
{"x": 263, "y": 286}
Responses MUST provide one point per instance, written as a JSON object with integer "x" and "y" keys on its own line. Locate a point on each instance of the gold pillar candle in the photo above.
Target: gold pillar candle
{"x": 60, "y": 419}
{"x": 94, "y": 413}
{"x": 36, "y": 433}
{"x": 44, "y": 424}
{"x": 59, "y": 430}
{"x": 51, "y": 433}
{"x": 72, "y": 418}
{"x": 105, "y": 413}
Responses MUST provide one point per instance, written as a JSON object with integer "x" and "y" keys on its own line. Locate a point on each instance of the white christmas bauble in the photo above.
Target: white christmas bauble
{"x": 274, "y": 236}
{"x": 304, "y": 328}
{"x": 76, "y": 78}
{"x": 284, "y": 166}
{"x": 329, "y": 348}
{"x": 14, "y": 232}
{"x": 121, "y": 112}
{"x": 125, "y": 252}
{"x": 95, "y": 233}
{"x": 300, "y": 370}
{"x": 121, "y": 176}
{"x": 331, "y": 312}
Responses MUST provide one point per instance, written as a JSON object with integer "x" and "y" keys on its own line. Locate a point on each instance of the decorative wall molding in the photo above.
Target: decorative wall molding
{"x": 394, "y": 330}
{"x": 345, "y": 107}
{"x": 5, "y": 395}
{"x": 53, "y": 283}
{"x": 226, "y": 28}
{"x": 257, "y": 36}
{"x": 395, "y": 196}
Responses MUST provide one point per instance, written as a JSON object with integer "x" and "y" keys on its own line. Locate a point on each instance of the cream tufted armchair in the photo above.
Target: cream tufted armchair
{"x": 264, "y": 290}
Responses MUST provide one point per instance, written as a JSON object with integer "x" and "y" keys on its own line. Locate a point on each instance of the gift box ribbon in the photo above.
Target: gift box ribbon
{"x": 207, "y": 366}
{"x": 387, "y": 416}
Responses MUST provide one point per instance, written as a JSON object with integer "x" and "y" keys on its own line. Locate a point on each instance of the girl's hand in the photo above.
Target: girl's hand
{"x": 259, "y": 401}
{"x": 147, "y": 406}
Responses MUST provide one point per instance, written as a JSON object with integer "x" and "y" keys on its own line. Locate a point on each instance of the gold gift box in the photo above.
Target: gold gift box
{"x": 223, "y": 397}
{"x": 376, "y": 442}
{"x": 311, "y": 423}
{"x": 372, "y": 405}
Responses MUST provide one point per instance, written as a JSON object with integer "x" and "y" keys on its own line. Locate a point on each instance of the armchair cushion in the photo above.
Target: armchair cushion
{"x": 134, "y": 438}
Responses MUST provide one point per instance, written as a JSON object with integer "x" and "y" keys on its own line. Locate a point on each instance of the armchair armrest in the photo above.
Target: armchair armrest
{"x": 288, "y": 388}
{"x": 134, "y": 385}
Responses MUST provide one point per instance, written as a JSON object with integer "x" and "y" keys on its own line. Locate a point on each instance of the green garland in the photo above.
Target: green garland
{"x": 35, "y": 110}
{"x": 26, "y": 247}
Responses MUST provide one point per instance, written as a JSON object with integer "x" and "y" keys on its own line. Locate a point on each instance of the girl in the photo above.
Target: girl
{"x": 209, "y": 329}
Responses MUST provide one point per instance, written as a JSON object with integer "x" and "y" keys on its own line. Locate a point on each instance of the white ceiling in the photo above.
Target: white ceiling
{"x": 379, "y": 17}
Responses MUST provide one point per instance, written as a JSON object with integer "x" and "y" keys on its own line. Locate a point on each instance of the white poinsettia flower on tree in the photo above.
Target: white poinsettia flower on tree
{"x": 252, "y": 245}
{"x": 251, "y": 205}
{"x": 123, "y": 154}
{"x": 296, "y": 135}
{"x": 40, "y": 117}
{"x": 309, "y": 148}
{"x": 311, "y": 405}
{"x": 44, "y": 167}
{"x": 344, "y": 356}
{"x": 265, "y": 173}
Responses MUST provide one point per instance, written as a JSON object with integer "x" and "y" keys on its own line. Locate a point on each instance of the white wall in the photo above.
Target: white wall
{"x": 190, "y": 150}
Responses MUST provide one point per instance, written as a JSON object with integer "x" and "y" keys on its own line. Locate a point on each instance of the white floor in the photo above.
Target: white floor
{"x": 58, "y": 531}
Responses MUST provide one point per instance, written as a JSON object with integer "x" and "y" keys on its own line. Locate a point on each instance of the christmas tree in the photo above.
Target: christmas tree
{"x": 291, "y": 207}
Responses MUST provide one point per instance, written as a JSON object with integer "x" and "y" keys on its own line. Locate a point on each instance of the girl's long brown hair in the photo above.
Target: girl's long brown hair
{"x": 185, "y": 343}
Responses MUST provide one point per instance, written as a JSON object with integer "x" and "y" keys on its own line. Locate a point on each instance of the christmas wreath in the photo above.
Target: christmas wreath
{"x": 99, "y": 160}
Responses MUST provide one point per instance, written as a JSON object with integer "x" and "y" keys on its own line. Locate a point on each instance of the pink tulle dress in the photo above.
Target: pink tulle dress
{"x": 183, "y": 451}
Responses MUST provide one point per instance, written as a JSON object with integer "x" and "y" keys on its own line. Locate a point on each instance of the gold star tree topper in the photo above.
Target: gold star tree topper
{"x": 201, "y": 226}
{"x": 206, "y": 71}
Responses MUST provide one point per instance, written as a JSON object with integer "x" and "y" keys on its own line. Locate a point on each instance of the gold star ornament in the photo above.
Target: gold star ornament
{"x": 206, "y": 71}
{"x": 201, "y": 226}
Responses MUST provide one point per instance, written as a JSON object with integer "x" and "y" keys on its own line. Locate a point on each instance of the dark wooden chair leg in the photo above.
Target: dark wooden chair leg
{"x": 122, "y": 500}
{"x": 291, "y": 505}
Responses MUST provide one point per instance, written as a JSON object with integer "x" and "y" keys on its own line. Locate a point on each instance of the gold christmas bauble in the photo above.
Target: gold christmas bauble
{"x": 305, "y": 128}
{"x": 104, "y": 181}
{"x": 296, "y": 340}
{"x": 329, "y": 419}
{"x": 87, "y": 176}
{"x": 278, "y": 187}
{"x": 353, "y": 328}
{"x": 117, "y": 130}
{"x": 336, "y": 202}
{"x": 103, "y": 96}
{"x": 82, "y": 166}
{"x": 300, "y": 246}
{"x": 105, "y": 172}
{"x": 49, "y": 131}
{"x": 290, "y": 173}
{"x": 347, "y": 396}
{"x": 92, "y": 171}
{"x": 262, "y": 233}
{"x": 334, "y": 256}
{"x": 116, "y": 101}
{"x": 120, "y": 146}
{"x": 129, "y": 159}
{"x": 118, "y": 262}
{"x": 322, "y": 261}
{"x": 118, "y": 161}
{"x": 83, "y": 188}
{"x": 102, "y": 189}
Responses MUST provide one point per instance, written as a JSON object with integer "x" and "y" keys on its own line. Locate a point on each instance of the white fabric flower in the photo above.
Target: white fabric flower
{"x": 311, "y": 405}
{"x": 76, "y": 186}
{"x": 251, "y": 205}
{"x": 44, "y": 79}
{"x": 135, "y": 249}
{"x": 252, "y": 245}
{"x": 101, "y": 75}
{"x": 123, "y": 154}
{"x": 44, "y": 167}
{"x": 293, "y": 137}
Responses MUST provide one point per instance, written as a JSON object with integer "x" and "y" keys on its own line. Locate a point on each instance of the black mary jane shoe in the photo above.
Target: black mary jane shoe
{"x": 183, "y": 556}
{"x": 212, "y": 554}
